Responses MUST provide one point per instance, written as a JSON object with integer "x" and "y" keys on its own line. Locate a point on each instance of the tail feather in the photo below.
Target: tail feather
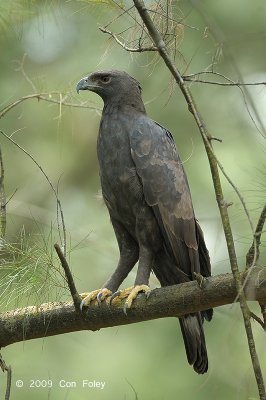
{"x": 168, "y": 273}
{"x": 194, "y": 340}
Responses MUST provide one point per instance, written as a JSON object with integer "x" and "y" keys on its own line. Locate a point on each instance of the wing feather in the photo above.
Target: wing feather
{"x": 166, "y": 189}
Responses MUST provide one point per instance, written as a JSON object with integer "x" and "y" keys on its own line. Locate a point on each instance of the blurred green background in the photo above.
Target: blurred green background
{"x": 47, "y": 47}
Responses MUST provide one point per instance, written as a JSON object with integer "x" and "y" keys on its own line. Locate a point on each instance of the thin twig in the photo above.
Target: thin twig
{"x": 2, "y": 201}
{"x": 8, "y": 382}
{"x": 69, "y": 277}
{"x": 220, "y": 37}
{"x": 132, "y": 387}
{"x": 188, "y": 78}
{"x": 58, "y": 202}
{"x": 125, "y": 47}
{"x": 45, "y": 97}
{"x": 194, "y": 78}
{"x": 263, "y": 312}
{"x": 7, "y": 369}
{"x": 25, "y": 75}
{"x": 241, "y": 87}
{"x": 127, "y": 12}
{"x": 239, "y": 195}
{"x": 253, "y": 253}
{"x": 3, "y": 365}
{"x": 159, "y": 43}
{"x": 168, "y": 18}
{"x": 257, "y": 319}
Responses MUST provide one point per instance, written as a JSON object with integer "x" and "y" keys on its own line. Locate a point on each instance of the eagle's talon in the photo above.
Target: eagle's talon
{"x": 147, "y": 294}
{"x": 81, "y": 305}
{"x": 125, "y": 308}
{"x": 133, "y": 294}
{"x": 129, "y": 294}
{"x": 201, "y": 280}
{"x": 120, "y": 295}
{"x": 98, "y": 298}
{"x": 99, "y": 295}
{"x": 115, "y": 295}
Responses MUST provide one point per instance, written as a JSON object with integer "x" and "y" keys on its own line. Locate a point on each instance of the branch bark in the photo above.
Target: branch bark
{"x": 173, "y": 301}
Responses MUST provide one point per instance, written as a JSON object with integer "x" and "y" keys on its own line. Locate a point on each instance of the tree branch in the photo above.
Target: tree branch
{"x": 173, "y": 301}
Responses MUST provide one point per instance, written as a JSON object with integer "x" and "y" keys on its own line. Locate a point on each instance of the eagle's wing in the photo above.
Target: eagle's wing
{"x": 166, "y": 190}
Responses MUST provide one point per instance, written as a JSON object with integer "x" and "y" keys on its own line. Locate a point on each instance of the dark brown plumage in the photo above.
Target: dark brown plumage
{"x": 147, "y": 194}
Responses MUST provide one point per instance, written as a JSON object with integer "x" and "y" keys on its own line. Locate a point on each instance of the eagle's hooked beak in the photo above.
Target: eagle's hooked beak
{"x": 88, "y": 84}
{"x": 83, "y": 84}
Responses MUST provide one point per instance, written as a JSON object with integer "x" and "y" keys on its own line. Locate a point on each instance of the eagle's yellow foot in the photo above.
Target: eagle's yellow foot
{"x": 130, "y": 294}
{"x": 99, "y": 295}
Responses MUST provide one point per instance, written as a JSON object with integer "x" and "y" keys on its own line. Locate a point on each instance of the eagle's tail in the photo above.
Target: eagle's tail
{"x": 167, "y": 272}
{"x": 194, "y": 339}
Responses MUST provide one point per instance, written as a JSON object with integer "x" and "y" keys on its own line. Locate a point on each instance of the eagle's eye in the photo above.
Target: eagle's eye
{"x": 105, "y": 79}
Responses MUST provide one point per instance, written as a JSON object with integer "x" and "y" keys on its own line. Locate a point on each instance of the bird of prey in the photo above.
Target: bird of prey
{"x": 145, "y": 189}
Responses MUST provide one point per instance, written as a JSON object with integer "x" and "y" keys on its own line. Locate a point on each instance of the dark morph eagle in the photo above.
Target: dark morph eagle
{"x": 145, "y": 189}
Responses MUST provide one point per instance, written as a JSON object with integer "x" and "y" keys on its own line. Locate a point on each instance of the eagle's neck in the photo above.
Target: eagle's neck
{"x": 124, "y": 101}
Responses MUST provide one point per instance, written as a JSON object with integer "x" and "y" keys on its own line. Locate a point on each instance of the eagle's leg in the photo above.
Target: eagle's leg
{"x": 141, "y": 282}
{"x": 149, "y": 240}
{"x": 142, "y": 278}
{"x": 129, "y": 254}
